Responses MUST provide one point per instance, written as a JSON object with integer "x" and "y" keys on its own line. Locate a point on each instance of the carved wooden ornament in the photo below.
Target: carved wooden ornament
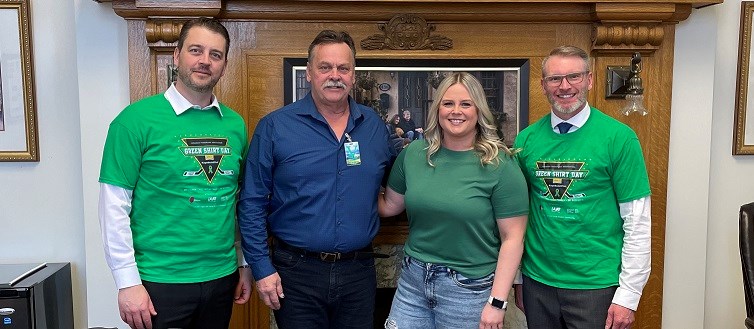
{"x": 406, "y": 32}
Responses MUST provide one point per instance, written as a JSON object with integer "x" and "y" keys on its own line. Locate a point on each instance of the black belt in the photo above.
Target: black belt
{"x": 331, "y": 257}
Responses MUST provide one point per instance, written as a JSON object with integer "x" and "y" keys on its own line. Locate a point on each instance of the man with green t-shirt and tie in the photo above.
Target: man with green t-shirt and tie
{"x": 587, "y": 245}
{"x": 168, "y": 186}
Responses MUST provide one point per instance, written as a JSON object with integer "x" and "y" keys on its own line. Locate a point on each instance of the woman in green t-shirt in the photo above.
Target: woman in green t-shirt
{"x": 467, "y": 207}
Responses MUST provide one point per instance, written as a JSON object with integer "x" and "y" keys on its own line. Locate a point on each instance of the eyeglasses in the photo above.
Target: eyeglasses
{"x": 573, "y": 78}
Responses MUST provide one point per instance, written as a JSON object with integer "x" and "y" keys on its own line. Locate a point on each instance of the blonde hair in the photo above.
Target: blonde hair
{"x": 487, "y": 143}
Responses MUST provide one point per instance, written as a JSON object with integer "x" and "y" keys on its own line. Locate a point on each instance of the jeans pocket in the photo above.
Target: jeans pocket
{"x": 284, "y": 259}
{"x": 405, "y": 262}
{"x": 482, "y": 283}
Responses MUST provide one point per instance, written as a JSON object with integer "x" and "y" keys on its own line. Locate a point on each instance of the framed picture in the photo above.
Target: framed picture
{"x": 743, "y": 130}
{"x": 18, "y": 124}
{"x": 391, "y": 86}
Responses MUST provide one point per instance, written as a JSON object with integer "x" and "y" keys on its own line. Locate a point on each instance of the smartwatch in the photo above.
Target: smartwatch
{"x": 498, "y": 303}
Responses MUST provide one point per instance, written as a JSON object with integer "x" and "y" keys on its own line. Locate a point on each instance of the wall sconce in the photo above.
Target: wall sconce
{"x": 392, "y": 75}
{"x": 625, "y": 82}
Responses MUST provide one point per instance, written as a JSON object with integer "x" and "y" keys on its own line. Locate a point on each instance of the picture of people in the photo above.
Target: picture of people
{"x": 405, "y": 88}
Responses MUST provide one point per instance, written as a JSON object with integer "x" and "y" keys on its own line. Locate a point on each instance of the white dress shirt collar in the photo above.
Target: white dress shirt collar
{"x": 180, "y": 104}
{"x": 577, "y": 120}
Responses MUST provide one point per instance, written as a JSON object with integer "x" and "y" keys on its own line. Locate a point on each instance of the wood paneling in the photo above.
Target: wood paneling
{"x": 264, "y": 32}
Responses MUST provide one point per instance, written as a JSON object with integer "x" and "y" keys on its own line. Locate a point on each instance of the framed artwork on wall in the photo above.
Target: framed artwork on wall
{"x": 743, "y": 129}
{"x": 18, "y": 124}
{"x": 391, "y": 86}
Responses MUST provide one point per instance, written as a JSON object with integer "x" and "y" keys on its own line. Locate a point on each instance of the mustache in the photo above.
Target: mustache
{"x": 333, "y": 83}
{"x": 202, "y": 68}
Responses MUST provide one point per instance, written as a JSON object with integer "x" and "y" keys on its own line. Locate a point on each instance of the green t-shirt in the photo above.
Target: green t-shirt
{"x": 576, "y": 180}
{"x": 452, "y": 207}
{"x": 184, "y": 172}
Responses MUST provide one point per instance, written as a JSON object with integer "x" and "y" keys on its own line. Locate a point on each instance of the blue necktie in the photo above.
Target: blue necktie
{"x": 563, "y": 127}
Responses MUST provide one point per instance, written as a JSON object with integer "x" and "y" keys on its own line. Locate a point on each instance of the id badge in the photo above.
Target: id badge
{"x": 353, "y": 155}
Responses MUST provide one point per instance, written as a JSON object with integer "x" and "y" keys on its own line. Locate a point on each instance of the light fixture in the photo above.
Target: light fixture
{"x": 625, "y": 82}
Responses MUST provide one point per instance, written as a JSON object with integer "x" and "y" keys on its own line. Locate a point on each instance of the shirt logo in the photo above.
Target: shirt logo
{"x": 209, "y": 153}
{"x": 558, "y": 177}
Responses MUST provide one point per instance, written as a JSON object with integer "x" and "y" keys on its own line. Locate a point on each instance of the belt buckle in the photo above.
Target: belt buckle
{"x": 329, "y": 257}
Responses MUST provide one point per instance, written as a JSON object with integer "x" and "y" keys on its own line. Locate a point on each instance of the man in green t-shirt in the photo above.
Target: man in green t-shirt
{"x": 168, "y": 190}
{"x": 587, "y": 245}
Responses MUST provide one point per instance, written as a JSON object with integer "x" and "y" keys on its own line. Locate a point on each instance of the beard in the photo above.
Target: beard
{"x": 581, "y": 100}
{"x": 185, "y": 76}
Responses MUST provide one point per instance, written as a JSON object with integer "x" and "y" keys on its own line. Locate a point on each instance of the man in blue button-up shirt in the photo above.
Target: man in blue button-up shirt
{"x": 312, "y": 177}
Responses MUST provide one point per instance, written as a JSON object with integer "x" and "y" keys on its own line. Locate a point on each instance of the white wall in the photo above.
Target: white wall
{"x": 41, "y": 204}
{"x": 731, "y": 183}
{"x": 82, "y": 83}
{"x": 48, "y": 209}
{"x": 707, "y": 185}
{"x": 103, "y": 93}
{"x": 688, "y": 185}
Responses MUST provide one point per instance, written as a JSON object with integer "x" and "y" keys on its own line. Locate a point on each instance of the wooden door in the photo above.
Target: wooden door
{"x": 412, "y": 96}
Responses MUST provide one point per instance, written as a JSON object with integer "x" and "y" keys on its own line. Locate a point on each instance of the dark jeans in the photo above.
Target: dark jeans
{"x": 203, "y": 305}
{"x": 548, "y": 307}
{"x": 413, "y": 135}
{"x": 321, "y": 295}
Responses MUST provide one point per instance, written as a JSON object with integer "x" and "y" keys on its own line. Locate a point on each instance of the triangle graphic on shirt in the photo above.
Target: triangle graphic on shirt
{"x": 558, "y": 177}
{"x": 208, "y": 153}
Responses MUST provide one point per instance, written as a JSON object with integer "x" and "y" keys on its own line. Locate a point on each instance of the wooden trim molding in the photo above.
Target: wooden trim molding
{"x": 166, "y": 8}
{"x": 619, "y": 26}
{"x": 406, "y": 32}
{"x": 413, "y": 32}
{"x": 378, "y": 10}
{"x": 623, "y": 27}
{"x": 637, "y": 35}
{"x": 627, "y": 38}
{"x": 162, "y": 30}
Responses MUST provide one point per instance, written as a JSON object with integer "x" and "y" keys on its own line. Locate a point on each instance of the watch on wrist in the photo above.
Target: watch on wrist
{"x": 244, "y": 266}
{"x": 498, "y": 303}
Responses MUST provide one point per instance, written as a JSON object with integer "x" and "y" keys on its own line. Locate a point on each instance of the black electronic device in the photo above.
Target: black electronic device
{"x": 36, "y": 296}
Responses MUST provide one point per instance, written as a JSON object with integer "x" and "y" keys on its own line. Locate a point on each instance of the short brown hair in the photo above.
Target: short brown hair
{"x": 208, "y": 23}
{"x": 330, "y": 36}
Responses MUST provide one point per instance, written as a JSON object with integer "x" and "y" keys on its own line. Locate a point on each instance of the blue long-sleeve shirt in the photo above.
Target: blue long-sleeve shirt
{"x": 297, "y": 183}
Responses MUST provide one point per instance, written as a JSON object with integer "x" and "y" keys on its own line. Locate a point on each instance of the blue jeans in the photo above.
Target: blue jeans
{"x": 325, "y": 295}
{"x": 434, "y": 296}
{"x": 413, "y": 135}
